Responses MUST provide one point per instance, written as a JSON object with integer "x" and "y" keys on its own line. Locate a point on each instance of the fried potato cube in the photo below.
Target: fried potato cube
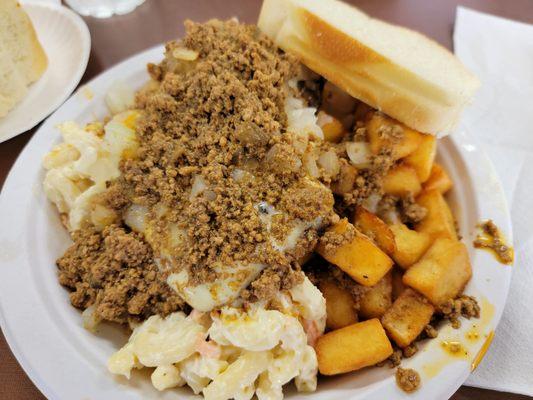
{"x": 377, "y": 299}
{"x": 331, "y": 127}
{"x": 407, "y": 317}
{"x": 402, "y": 180}
{"x": 397, "y": 284}
{"x": 438, "y": 221}
{"x": 376, "y": 229}
{"x": 442, "y": 273}
{"x": 352, "y": 347}
{"x": 358, "y": 257}
{"x": 422, "y": 158}
{"x": 410, "y": 245}
{"x": 438, "y": 179}
{"x": 407, "y": 144}
{"x": 340, "y": 305}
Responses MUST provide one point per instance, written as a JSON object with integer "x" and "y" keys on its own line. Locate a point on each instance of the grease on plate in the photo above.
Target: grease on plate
{"x": 479, "y": 356}
{"x": 458, "y": 348}
{"x": 492, "y": 239}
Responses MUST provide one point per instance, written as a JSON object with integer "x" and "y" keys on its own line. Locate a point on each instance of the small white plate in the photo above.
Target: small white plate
{"x": 67, "y": 362}
{"x": 67, "y": 43}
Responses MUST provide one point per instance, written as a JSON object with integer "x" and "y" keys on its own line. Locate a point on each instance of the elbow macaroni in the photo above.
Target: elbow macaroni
{"x": 259, "y": 350}
{"x": 79, "y": 167}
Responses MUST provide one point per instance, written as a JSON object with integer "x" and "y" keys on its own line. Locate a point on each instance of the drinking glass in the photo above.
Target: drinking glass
{"x": 103, "y": 8}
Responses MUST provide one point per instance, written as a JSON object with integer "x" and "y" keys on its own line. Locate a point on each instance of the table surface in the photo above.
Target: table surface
{"x": 156, "y": 21}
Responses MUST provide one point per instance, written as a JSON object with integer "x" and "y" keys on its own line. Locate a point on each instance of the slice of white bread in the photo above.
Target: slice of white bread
{"x": 12, "y": 82}
{"x": 393, "y": 69}
{"x": 22, "y": 58}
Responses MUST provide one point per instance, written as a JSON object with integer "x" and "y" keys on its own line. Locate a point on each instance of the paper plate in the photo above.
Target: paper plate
{"x": 67, "y": 362}
{"x": 67, "y": 43}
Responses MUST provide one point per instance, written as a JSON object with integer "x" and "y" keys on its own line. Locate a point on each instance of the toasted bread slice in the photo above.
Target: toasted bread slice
{"x": 393, "y": 69}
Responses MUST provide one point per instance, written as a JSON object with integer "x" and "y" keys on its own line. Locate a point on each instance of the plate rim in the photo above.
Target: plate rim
{"x": 460, "y": 141}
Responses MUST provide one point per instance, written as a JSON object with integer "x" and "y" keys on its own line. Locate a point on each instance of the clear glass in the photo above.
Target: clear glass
{"x": 103, "y": 8}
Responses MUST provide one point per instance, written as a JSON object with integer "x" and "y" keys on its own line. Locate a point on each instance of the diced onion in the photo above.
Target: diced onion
{"x": 135, "y": 216}
{"x": 323, "y": 118}
{"x": 310, "y": 165}
{"x": 359, "y": 154}
{"x": 237, "y": 174}
{"x": 198, "y": 186}
{"x": 330, "y": 162}
{"x": 371, "y": 202}
{"x": 90, "y": 321}
{"x": 182, "y": 53}
{"x": 119, "y": 97}
{"x": 391, "y": 217}
{"x": 102, "y": 216}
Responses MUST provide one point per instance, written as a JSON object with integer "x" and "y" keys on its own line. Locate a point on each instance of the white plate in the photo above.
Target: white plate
{"x": 67, "y": 43}
{"x": 67, "y": 362}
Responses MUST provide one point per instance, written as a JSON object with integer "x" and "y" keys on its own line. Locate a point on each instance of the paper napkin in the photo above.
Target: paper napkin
{"x": 500, "y": 53}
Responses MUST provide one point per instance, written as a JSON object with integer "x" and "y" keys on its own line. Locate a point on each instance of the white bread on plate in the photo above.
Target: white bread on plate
{"x": 393, "y": 69}
{"x": 22, "y": 59}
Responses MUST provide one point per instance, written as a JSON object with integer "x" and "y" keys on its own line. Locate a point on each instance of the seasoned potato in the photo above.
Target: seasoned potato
{"x": 438, "y": 179}
{"x": 375, "y": 228}
{"x": 305, "y": 257}
{"x": 377, "y": 299}
{"x": 410, "y": 245}
{"x": 406, "y": 145}
{"x": 358, "y": 257}
{"x": 422, "y": 158}
{"x": 353, "y": 347}
{"x": 439, "y": 220}
{"x": 441, "y": 273}
{"x": 402, "y": 180}
{"x": 340, "y": 305}
{"x": 397, "y": 284}
{"x": 346, "y": 180}
{"x": 407, "y": 317}
{"x": 331, "y": 127}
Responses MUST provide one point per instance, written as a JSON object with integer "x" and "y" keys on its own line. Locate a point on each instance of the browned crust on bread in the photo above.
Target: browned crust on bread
{"x": 334, "y": 44}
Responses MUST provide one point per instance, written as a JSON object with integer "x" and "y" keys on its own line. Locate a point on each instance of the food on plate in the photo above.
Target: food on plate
{"x": 398, "y": 71}
{"x": 438, "y": 179}
{"x": 491, "y": 238}
{"x": 438, "y": 221}
{"x": 377, "y": 299}
{"x": 356, "y": 254}
{"x": 375, "y": 228}
{"x": 340, "y": 305}
{"x": 410, "y": 245}
{"x": 405, "y": 320}
{"x": 407, "y": 379}
{"x": 352, "y": 347}
{"x": 251, "y": 222}
{"x": 22, "y": 58}
{"x": 442, "y": 272}
{"x": 402, "y": 180}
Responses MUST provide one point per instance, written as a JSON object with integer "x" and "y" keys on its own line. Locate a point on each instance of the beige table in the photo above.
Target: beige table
{"x": 158, "y": 20}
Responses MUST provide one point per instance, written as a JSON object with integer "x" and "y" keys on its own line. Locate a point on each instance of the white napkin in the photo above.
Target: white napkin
{"x": 500, "y": 53}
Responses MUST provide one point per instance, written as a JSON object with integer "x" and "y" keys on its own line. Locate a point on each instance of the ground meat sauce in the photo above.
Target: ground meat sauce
{"x": 463, "y": 306}
{"x": 407, "y": 379}
{"x": 113, "y": 271}
{"x": 221, "y": 117}
{"x": 492, "y": 239}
